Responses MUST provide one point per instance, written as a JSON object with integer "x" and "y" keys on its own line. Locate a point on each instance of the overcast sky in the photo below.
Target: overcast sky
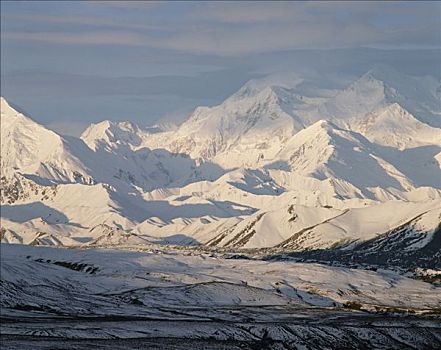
{"x": 71, "y": 63}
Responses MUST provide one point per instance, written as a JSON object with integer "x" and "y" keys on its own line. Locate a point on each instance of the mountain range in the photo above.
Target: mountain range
{"x": 290, "y": 165}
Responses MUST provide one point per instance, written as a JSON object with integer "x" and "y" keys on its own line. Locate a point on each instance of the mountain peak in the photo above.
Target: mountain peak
{"x": 8, "y": 112}
{"x": 111, "y": 133}
{"x": 323, "y": 125}
{"x": 253, "y": 87}
{"x": 13, "y": 120}
{"x": 384, "y": 73}
{"x": 394, "y": 126}
{"x": 3, "y": 101}
{"x": 28, "y": 146}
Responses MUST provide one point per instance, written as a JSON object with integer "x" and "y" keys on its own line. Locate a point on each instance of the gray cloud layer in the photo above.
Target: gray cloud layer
{"x": 234, "y": 28}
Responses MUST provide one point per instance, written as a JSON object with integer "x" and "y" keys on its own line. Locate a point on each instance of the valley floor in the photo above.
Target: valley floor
{"x": 305, "y": 329}
{"x": 166, "y": 298}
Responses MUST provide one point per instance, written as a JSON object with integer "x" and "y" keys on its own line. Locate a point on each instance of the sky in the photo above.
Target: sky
{"x": 70, "y": 63}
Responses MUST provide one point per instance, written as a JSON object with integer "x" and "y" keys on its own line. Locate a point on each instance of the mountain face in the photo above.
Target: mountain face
{"x": 110, "y": 135}
{"x": 32, "y": 149}
{"x": 225, "y": 132}
{"x": 282, "y": 163}
{"x": 394, "y": 126}
{"x": 297, "y": 228}
{"x": 381, "y": 87}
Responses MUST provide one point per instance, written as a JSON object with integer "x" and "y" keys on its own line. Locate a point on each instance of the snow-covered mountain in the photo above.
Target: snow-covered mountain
{"x": 255, "y": 124}
{"x": 277, "y": 164}
{"x": 261, "y": 116}
{"x": 383, "y": 86}
{"x": 110, "y": 153}
{"x": 30, "y": 148}
{"x": 394, "y": 126}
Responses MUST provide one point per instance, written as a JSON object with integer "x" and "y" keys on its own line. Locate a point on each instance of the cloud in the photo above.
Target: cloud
{"x": 84, "y": 38}
{"x": 248, "y": 12}
{"x": 263, "y": 37}
{"x": 237, "y": 28}
{"x": 134, "y": 5}
{"x": 81, "y": 20}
